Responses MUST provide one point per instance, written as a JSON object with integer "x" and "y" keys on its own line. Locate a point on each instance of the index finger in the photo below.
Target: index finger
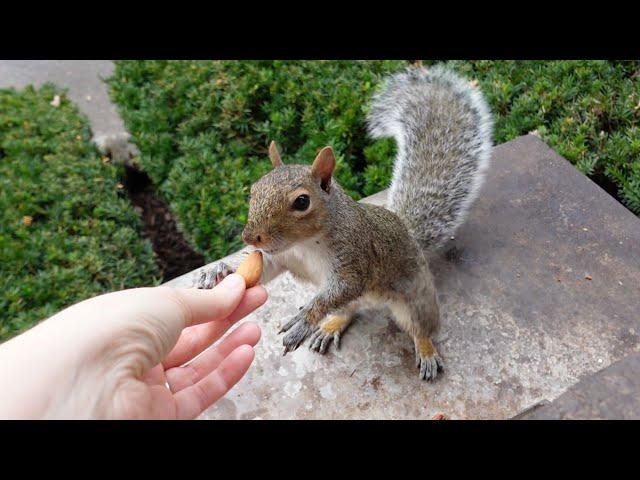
{"x": 196, "y": 339}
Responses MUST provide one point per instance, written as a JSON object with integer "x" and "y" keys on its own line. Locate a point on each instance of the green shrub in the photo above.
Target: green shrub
{"x": 203, "y": 127}
{"x": 588, "y": 111}
{"x": 67, "y": 232}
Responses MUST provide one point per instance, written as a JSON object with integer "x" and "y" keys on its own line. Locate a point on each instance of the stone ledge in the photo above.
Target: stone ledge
{"x": 611, "y": 394}
{"x": 521, "y": 320}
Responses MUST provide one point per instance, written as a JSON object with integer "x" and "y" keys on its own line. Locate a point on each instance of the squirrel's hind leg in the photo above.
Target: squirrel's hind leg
{"x": 418, "y": 323}
{"x": 427, "y": 358}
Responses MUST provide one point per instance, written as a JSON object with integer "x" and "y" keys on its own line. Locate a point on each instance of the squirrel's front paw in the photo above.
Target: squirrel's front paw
{"x": 330, "y": 330}
{"x": 300, "y": 329}
{"x": 210, "y": 277}
{"x": 427, "y": 359}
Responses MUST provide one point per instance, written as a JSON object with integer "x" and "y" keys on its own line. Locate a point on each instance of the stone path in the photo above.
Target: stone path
{"x": 83, "y": 79}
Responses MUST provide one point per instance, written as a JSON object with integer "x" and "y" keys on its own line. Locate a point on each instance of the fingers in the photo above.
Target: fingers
{"x": 193, "y": 400}
{"x": 254, "y": 297}
{"x": 196, "y": 339}
{"x": 200, "y": 306}
{"x": 155, "y": 376}
{"x": 180, "y": 378}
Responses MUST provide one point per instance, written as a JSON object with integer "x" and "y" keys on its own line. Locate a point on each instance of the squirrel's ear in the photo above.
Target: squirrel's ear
{"x": 323, "y": 166}
{"x": 274, "y": 155}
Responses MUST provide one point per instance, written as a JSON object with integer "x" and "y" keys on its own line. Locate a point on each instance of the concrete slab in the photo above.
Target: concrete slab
{"x": 611, "y": 394}
{"x": 83, "y": 79}
{"x": 540, "y": 287}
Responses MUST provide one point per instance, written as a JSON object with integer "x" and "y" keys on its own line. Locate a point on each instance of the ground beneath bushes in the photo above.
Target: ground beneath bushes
{"x": 173, "y": 253}
{"x": 83, "y": 79}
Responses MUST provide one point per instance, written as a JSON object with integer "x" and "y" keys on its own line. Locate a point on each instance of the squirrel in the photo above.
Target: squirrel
{"x": 361, "y": 255}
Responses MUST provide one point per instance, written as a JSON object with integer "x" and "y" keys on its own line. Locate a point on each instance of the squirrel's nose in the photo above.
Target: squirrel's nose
{"x": 252, "y": 238}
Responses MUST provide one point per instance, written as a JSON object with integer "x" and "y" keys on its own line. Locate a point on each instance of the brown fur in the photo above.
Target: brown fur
{"x": 370, "y": 254}
{"x": 334, "y": 323}
{"x": 360, "y": 253}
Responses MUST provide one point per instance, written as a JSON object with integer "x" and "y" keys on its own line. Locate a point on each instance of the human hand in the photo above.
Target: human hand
{"x": 111, "y": 356}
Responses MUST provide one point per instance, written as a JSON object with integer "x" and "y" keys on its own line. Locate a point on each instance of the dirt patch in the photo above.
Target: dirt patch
{"x": 174, "y": 255}
{"x": 607, "y": 185}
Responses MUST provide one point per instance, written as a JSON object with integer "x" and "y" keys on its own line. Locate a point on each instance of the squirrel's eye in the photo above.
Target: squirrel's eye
{"x": 301, "y": 203}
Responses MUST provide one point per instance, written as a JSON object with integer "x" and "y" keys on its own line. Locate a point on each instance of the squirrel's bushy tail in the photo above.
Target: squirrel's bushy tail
{"x": 443, "y": 127}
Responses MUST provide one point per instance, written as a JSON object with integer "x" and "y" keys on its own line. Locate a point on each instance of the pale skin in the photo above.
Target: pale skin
{"x": 112, "y": 356}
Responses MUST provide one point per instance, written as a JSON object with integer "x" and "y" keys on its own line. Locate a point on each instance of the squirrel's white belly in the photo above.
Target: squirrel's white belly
{"x": 308, "y": 260}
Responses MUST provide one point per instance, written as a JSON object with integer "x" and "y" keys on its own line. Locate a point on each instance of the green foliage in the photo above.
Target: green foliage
{"x": 66, "y": 231}
{"x": 588, "y": 111}
{"x": 203, "y": 127}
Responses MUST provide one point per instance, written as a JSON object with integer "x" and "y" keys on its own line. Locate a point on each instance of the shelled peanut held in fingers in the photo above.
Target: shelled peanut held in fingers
{"x": 251, "y": 268}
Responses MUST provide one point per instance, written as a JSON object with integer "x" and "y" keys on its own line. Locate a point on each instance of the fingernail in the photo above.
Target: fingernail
{"x": 233, "y": 282}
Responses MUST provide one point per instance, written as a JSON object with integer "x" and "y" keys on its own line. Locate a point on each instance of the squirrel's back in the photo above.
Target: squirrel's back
{"x": 443, "y": 128}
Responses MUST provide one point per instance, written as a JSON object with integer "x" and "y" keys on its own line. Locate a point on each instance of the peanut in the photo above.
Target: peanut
{"x": 251, "y": 268}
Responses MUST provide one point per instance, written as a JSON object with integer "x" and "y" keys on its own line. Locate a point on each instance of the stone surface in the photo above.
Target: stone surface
{"x": 540, "y": 287}
{"x": 611, "y": 394}
{"x": 82, "y": 78}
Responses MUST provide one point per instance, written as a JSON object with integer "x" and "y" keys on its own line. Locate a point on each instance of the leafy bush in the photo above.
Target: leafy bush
{"x": 66, "y": 230}
{"x": 588, "y": 111}
{"x": 203, "y": 127}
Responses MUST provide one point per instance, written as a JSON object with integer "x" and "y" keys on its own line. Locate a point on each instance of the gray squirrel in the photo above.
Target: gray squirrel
{"x": 361, "y": 255}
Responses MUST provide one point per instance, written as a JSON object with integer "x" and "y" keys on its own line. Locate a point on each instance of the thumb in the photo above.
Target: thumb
{"x": 167, "y": 311}
{"x": 201, "y": 306}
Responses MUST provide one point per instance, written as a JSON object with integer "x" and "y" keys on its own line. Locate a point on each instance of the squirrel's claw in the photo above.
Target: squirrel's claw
{"x": 321, "y": 340}
{"x": 210, "y": 277}
{"x": 290, "y": 323}
{"x": 330, "y": 330}
{"x": 428, "y": 361}
{"x": 297, "y": 335}
{"x": 429, "y": 367}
